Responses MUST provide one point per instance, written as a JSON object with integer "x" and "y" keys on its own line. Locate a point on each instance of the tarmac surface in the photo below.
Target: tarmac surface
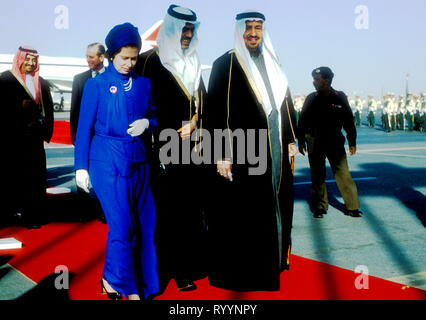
{"x": 389, "y": 170}
{"x": 388, "y": 241}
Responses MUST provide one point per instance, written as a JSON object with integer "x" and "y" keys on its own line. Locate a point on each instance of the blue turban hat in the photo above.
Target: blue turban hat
{"x": 122, "y": 35}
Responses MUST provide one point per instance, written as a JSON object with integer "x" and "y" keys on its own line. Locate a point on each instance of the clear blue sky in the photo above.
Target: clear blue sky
{"x": 305, "y": 33}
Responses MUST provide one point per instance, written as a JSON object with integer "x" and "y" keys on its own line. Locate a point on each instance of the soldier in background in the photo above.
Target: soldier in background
{"x": 387, "y": 113}
{"x": 393, "y": 111}
{"x": 417, "y": 111}
{"x": 324, "y": 114}
{"x": 298, "y": 104}
{"x": 400, "y": 113}
{"x": 423, "y": 113}
{"x": 358, "y": 111}
{"x": 409, "y": 112}
{"x": 372, "y": 108}
{"x": 379, "y": 109}
{"x": 352, "y": 105}
{"x": 382, "y": 114}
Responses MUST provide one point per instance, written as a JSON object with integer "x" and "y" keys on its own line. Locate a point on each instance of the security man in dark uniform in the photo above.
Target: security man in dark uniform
{"x": 323, "y": 115}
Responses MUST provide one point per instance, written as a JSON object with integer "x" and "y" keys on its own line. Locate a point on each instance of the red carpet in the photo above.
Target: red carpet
{"x": 61, "y": 132}
{"x": 81, "y": 247}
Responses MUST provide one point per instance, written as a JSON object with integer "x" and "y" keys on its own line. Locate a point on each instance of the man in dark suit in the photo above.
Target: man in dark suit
{"x": 95, "y": 55}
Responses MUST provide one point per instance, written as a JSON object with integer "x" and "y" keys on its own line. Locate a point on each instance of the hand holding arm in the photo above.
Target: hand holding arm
{"x": 138, "y": 127}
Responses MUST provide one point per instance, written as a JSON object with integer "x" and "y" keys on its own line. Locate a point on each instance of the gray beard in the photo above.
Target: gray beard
{"x": 254, "y": 52}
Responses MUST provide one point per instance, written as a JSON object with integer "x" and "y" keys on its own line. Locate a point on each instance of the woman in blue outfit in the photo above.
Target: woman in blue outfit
{"x": 116, "y": 113}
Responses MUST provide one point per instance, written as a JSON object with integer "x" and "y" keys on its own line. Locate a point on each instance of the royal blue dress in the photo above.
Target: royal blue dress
{"x": 118, "y": 171}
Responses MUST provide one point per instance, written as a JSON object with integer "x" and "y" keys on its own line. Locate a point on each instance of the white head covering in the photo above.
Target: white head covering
{"x": 277, "y": 78}
{"x": 185, "y": 64}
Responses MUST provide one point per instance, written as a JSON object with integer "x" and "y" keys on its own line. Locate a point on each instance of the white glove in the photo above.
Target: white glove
{"x": 82, "y": 179}
{"x": 138, "y": 127}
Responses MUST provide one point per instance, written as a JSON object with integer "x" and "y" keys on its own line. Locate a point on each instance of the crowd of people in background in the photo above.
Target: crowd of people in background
{"x": 406, "y": 113}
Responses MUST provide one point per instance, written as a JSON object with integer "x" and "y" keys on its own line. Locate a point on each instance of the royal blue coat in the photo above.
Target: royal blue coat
{"x": 106, "y": 113}
{"x": 118, "y": 170}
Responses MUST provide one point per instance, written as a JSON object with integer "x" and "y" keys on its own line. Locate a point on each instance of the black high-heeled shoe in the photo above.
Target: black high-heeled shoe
{"x": 111, "y": 295}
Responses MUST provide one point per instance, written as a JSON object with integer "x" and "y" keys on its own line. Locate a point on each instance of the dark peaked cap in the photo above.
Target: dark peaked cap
{"x": 324, "y": 72}
{"x": 180, "y": 15}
